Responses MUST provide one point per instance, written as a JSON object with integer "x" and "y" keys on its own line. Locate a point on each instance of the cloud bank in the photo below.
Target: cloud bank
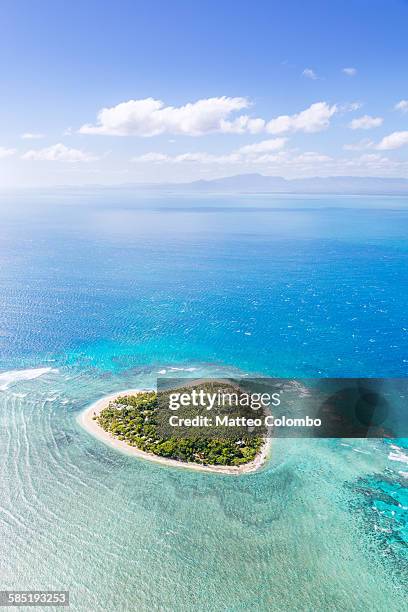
{"x": 248, "y": 154}
{"x": 149, "y": 117}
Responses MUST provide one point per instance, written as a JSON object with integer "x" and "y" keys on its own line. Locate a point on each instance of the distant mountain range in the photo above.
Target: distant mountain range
{"x": 259, "y": 183}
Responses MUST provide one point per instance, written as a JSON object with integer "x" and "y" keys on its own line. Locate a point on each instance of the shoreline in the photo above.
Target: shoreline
{"x": 85, "y": 419}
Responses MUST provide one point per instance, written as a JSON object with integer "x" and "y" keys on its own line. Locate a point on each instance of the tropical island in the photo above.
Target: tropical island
{"x": 128, "y": 421}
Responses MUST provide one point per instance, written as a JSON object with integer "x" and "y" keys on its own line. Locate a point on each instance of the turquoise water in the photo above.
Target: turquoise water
{"x": 100, "y": 293}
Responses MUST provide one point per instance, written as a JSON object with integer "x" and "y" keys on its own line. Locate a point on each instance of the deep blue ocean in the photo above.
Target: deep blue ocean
{"x": 104, "y": 289}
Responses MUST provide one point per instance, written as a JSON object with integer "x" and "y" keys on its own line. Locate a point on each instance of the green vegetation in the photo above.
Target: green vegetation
{"x": 135, "y": 419}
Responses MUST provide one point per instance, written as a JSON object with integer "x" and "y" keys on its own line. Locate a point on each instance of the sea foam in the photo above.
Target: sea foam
{"x": 398, "y": 455}
{"x": 14, "y": 376}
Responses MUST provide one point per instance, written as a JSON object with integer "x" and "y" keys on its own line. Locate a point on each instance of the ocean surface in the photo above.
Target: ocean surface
{"x": 104, "y": 290}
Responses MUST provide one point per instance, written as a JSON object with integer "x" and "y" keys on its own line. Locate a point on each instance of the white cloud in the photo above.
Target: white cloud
{"x": 365, "y": 143}
{"x": 393, "y": 141}
{"x": 240, "y": 160}
{"x": 310, "y": 74}
{"x": 4, "y": 152}
{"x": 259, "y": 155}
{"x": 236, "y": 158}
{"x": 311, "y": 157}
{"x": 243, "y": 124}
{"x": 288, "y": 163}
{"x": 312, "y": 119}
{"x": 350, "y": 71}
{"x": 372, "y": 164}
{"x": 202, "y": 158}
{"x": 265, "y": 146}
{"x": 352, "y": 106}
{"x": 58, "y": 152}
{"x": 249, "y": 153}
{"x": 402, "y": 106}
{"x": 151, "y": 157}
{"x": 161, "y": 158}
{"x": 32, "y": 136}
{"x": 366, "y": 123}
{"x": 150, "y": 117}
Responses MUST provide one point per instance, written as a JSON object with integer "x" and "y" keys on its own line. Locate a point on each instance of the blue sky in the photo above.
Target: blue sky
{"x": 201, "y": 90}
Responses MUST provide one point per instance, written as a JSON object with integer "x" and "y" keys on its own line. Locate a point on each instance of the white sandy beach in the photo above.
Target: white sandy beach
{"x": 87, "y": 421}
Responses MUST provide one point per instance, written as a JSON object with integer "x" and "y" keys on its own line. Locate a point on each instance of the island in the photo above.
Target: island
{"x": 126, "y": 421}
